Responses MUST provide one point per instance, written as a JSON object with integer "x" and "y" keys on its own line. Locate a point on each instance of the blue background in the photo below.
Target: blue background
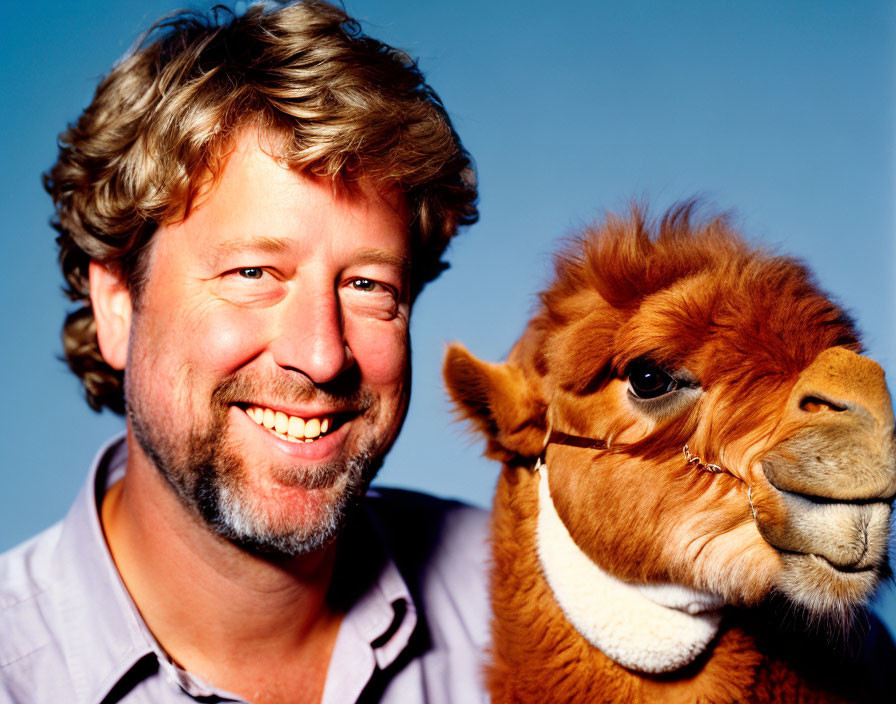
{"x": 783, "y": 111}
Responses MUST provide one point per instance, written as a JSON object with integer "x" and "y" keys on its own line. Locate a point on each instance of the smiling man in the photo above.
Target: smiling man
{"x": 246, "y": 211}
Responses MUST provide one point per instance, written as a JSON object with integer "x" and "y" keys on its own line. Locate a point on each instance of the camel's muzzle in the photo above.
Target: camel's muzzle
{"x": 831, "y": 484}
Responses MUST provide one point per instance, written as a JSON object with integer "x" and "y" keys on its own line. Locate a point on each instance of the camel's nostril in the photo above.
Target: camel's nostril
{"x": 816, "y": 404}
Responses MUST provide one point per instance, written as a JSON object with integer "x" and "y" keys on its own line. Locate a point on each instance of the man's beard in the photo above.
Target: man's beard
{"x": 210, "y": 478}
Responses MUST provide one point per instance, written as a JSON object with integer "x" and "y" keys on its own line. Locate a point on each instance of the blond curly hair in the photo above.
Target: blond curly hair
{"x": 346, "y": 106}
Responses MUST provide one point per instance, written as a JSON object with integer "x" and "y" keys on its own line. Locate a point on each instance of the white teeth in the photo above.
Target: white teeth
{"x": 296, "y": 427}
{"x": 281, "y": 422}
{"x": 312, "y": 428}
{"x": 289, "y": 427}
{"x": 289, "y": 438}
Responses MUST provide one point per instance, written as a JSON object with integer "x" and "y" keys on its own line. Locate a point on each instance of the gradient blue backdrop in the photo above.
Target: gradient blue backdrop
{"x": 781, "y": 110}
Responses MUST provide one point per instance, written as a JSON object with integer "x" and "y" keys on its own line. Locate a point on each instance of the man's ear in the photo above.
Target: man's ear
{"x": 499, "y": 401}
{"x": 111, "y": 303}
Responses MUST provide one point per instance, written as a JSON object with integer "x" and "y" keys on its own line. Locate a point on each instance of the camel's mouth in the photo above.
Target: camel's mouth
{"x": 829, "y": 495}
{"x": 841, "y": 569}
{"x": 850, "y": 536}
{"x": 833, "y": 550}
{"x": 823, "y": 588}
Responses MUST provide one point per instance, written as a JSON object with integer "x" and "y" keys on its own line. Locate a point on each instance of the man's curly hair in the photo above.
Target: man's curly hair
{"x": 344, "y": 106}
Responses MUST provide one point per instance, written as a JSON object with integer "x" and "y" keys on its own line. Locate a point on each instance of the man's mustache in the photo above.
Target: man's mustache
{"x": 342, "y": 394}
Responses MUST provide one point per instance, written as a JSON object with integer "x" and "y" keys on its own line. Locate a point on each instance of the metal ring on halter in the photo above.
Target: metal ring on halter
{"x": 691, "y": 459}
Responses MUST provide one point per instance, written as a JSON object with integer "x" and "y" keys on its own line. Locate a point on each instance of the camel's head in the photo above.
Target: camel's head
{"x": 653, "y": 338}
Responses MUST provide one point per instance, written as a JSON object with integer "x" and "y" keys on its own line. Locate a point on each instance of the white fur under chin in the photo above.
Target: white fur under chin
{"x": 649, "y": 628}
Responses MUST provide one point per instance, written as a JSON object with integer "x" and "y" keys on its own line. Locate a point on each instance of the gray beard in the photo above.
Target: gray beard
{"x": 207, "y": 475}
{"x": 232, "y": 515}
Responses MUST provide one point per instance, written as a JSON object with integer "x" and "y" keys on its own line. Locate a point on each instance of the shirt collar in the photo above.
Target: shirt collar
{"x": 104, "y": 637}
{"x": 380, "y": 609}
{"x": 380, "y": 614}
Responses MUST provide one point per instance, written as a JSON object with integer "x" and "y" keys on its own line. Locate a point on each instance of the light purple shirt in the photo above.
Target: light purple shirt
{"x": 411, "y": 571}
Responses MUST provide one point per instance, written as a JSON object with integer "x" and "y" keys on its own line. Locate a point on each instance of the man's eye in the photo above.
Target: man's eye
{"x": 364, "y": 285}
{"x": 251, "y": 272}
{"x": 370, "y": 297}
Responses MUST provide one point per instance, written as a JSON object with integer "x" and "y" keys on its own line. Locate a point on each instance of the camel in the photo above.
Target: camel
{"x": 698, "y": 471}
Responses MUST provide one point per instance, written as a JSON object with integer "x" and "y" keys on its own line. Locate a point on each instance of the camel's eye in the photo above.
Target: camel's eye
{"x": 646, "y": 380}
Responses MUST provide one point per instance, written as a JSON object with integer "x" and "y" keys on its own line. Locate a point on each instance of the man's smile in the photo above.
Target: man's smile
{"x": 295, "y": 428}
{"x": 309, "y": 432}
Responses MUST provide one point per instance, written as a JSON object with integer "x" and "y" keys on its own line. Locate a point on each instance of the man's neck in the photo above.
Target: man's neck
{"x": 228, "y": 616}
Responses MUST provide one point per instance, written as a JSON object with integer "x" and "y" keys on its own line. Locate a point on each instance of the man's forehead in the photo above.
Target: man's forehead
{"x": 255, "y": 202}
{"x": 257, "y": 150}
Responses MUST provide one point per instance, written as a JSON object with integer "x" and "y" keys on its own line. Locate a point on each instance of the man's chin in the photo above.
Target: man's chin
{"x": 288, "y": 519}
{"x": 307, "y": 521}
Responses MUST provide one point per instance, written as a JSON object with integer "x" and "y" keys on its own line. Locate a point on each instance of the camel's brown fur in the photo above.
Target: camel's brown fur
{"x": 763, "y": 341}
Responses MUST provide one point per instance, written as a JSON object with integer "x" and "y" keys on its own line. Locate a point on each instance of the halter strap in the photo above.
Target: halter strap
{"x": 556, "y": 437}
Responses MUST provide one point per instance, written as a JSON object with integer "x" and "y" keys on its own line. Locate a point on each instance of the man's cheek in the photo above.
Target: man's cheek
{"x": 226, "y": 342}
{"x": 383, "y": 356}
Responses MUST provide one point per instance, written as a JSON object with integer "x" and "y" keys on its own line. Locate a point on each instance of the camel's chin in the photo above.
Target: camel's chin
{"x": 822, "y": 589}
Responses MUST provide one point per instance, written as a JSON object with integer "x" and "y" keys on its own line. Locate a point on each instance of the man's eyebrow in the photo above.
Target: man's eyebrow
{"x": 273, "y": 245}
{"x": 261, "y": 244}
{"x": 381, "y": 256}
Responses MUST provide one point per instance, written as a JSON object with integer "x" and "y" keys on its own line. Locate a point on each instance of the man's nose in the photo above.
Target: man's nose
{"x": 310, "y": 337}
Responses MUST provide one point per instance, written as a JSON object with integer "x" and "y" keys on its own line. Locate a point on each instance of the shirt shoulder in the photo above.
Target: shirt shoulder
{"x": 441, "y": 549}
{"x": 29, "y": 648}
{"x": 25, "y": 572}
{"x": 425, "y": 532}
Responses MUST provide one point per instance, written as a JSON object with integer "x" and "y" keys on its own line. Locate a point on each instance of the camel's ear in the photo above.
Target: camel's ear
{"x": 499, "y": 401}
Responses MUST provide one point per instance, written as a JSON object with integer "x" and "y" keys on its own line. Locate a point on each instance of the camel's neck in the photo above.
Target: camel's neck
{"x": 648, "y": 628}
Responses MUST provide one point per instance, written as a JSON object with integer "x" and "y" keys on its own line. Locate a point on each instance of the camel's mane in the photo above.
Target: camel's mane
{"x": 627, "y": 260}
